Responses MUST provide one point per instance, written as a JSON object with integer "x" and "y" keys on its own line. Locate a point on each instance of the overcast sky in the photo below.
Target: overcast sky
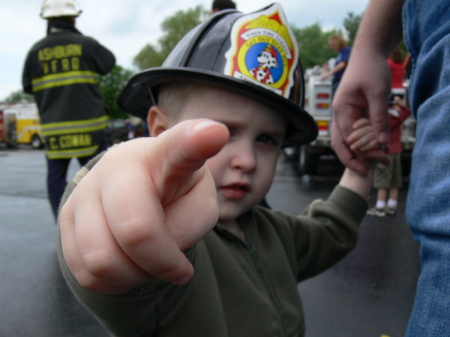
{"x": 125, "y": 26}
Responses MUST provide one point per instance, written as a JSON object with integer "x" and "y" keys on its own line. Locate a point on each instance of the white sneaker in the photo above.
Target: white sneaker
{"x": 379, "y": 212}
{"x": 391, "y": 210}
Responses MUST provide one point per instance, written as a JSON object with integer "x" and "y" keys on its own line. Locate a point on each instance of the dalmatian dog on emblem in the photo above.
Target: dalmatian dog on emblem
{"x": 263, "y": 50}
{"x": 267, "y": 60}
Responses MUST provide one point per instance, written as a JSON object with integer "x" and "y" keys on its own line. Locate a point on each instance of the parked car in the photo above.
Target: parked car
{"x": 121, "y": 130}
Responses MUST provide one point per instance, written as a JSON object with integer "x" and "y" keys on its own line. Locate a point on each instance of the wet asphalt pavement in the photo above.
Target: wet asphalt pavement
{"x": 368, "y": 294}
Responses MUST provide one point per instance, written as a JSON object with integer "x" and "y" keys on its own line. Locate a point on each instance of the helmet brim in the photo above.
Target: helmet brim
{"x": 136, "y": 98}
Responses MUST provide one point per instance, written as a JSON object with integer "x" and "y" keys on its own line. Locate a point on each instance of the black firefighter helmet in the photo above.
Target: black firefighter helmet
{"x": 252, "y": 54}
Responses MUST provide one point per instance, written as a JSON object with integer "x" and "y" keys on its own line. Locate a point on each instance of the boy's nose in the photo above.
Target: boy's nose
{"x": 244, "y": 157}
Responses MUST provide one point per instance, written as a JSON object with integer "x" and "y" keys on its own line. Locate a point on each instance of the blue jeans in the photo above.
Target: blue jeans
{"x": 427, "y": 35}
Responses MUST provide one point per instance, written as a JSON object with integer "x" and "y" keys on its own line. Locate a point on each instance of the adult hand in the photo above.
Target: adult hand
{"x": 130, "y": 218}
{"x": 362, "y": 93}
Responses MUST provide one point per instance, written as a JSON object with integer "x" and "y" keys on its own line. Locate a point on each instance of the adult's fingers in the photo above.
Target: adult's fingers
{"x": 377, "y": 91}
{"x": 345, "y": 155}
{"x": 378, "y": 114}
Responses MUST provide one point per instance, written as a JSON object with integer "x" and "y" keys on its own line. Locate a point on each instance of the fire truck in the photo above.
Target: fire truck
{"x": 318, "y": 96}
{"x": 20, "y": 124}
{"x": 318, "y": 103}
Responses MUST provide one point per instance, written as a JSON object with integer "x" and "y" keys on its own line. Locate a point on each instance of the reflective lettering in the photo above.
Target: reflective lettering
{"x": 54, "y": 65}
{"x": 62, "y": 65}
{"x": 75, "y": 63}
{"x": 59, "y": 52}
{"x": 65, "y": 64}
{"x": 45, "y": 67}
{"x": 74, "y": 141}
{"x": 53, "y": 145}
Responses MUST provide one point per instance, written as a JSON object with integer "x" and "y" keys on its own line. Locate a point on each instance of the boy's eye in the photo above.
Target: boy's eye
{"x": 232, "y": 131}
{"x": 266, "y": 139}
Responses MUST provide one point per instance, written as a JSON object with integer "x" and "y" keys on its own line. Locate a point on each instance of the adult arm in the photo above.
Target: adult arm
{"x": 341, "y": 65}
{"x": 26, "y": 78}
{"x": 104, "y": 59}
{"x": 365, "y": 86}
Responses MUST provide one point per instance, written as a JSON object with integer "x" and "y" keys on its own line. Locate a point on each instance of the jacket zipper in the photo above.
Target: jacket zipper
{"x": 254, "y": 256}
{"x": 255, "y": 259}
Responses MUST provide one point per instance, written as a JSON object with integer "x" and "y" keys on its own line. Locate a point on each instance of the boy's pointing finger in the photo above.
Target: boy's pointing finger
{"x": 190, "y": 143}
{"x": 184, "y": 149}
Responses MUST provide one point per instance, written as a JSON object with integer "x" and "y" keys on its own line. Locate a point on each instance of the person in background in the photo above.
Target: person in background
{"x": 388, "y": 178}
{"x": 363, "y": 92}
{"x": 219, "y": 5}
{"x": 61, "y": 71}
{"x": 338, "y": 44}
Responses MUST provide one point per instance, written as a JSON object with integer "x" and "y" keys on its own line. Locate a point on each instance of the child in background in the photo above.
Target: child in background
{"x": 163, "y": 236}
{"x": 395, "y": 62}
{"x": 388, "y": 179}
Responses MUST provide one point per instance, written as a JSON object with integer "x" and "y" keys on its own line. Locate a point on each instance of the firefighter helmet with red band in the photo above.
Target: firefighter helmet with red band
{"x": 253, "y": 54}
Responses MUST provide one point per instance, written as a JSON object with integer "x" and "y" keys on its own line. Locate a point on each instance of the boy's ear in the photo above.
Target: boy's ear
{"x": 157, "y": 121}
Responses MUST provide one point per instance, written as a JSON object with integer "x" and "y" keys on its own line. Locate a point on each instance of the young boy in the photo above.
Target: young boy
{"x": 163, "y": 236}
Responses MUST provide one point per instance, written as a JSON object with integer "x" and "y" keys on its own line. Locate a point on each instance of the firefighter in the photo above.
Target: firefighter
{"x": 61, "y": 71}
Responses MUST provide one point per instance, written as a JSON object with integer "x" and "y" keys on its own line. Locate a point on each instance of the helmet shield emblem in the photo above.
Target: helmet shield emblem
{"x": 263, "y": 51}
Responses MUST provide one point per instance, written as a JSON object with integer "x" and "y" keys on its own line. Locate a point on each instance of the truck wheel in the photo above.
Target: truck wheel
{"x": 308, "y": 162}
{"x": 36, "y": 142}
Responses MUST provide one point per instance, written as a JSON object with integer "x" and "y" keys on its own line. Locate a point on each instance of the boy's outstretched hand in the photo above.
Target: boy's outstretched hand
{"x": 130, "y": 218}
{"x": 363, "y": 138}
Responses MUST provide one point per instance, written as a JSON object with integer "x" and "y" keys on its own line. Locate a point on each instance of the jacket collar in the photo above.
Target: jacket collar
{"x": 59, "y": 26}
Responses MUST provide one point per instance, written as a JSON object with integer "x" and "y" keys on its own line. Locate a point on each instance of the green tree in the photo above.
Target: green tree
{"x": 351, "y": 25}
{"x": 148, "y": 57}
{"x": 174, "y": 28}
{"x": 111, "y": 85}
{"x": 313, "y": 44}
{"x": 19, "y": 95}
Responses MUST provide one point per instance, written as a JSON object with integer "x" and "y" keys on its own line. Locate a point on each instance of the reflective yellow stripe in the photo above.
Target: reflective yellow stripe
{"x": 62, "y": 128}
{"x": 68, "y": 78}
{"x": 65, "y": 154}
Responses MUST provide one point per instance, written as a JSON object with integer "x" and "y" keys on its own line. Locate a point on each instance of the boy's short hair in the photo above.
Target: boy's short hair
{"x": 173, "y": 96}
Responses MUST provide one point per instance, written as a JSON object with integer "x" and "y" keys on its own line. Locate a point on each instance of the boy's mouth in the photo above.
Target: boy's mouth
{"x": 235, "y": 191}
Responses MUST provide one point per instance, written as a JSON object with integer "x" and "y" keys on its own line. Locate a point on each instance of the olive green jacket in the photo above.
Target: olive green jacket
{"x": 240, "y": 288}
